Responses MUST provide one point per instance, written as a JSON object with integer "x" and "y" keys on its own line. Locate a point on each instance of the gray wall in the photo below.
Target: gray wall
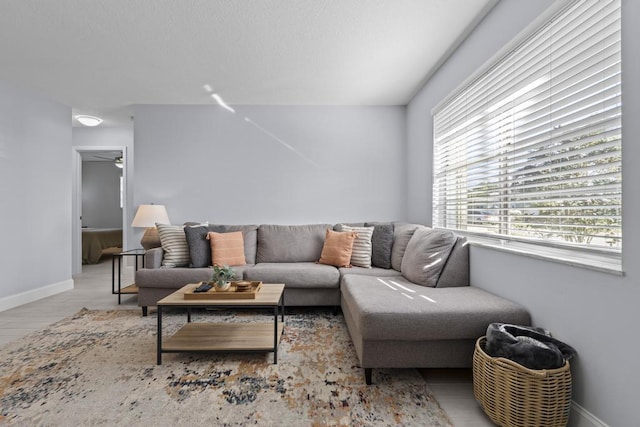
{"x": 35, "y": 192}
{"x": 595, "y": 312}
{"x": 271, "y": 164}
{"x": 103, "y": 136}
{"x": 101, "y": 195}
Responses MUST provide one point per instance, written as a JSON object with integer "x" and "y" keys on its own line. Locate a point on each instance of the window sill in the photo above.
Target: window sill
{"x": 601, "y": 263}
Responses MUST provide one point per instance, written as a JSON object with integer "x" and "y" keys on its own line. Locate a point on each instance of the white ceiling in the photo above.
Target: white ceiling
{"x": 102, "y": 56}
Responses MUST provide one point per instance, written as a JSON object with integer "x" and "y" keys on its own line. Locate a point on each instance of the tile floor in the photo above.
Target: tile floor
{"x": 454, "y": 390}
{"x": 452, "y": 387}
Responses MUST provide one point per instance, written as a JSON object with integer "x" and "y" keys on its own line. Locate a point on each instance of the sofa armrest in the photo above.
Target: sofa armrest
{"x": 153, "y": 258}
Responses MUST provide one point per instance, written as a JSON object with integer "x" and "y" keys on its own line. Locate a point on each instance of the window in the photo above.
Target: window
{"x": 531, "y": 149}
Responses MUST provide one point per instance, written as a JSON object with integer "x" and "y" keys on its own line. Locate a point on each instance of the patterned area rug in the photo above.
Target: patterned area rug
{"x": 98, "y": 368}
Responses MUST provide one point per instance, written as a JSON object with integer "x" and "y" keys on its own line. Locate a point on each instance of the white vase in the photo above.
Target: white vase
{"x": 222, "y": 286}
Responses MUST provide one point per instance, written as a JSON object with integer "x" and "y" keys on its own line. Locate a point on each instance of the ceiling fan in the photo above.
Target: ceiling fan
{"x": 117, "y": 161}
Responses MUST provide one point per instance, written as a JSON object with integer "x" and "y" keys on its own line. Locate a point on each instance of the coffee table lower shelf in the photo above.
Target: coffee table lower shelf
{"x": 223, "y": 337}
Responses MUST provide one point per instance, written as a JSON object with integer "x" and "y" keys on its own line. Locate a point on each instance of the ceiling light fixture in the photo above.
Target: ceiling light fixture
{"x": 89, "y": 120}
{"x": 221, "y": 102}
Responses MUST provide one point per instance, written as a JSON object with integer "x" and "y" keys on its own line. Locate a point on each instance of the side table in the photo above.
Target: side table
{"x": 132, "y": 288}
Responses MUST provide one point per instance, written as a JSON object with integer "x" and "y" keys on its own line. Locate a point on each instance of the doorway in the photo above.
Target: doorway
{"x": 101, "y": 163}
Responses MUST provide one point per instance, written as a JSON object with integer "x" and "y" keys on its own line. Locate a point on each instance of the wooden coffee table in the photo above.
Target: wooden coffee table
{"x": 206, "y": 337}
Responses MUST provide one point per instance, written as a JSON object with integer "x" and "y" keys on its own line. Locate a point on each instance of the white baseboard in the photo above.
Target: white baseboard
{"x": 26, "y": 297}
{"x": 580, "y": 417}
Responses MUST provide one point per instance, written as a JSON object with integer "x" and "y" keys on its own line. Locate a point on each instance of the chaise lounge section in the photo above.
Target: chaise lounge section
{"x": 395, "y": 323}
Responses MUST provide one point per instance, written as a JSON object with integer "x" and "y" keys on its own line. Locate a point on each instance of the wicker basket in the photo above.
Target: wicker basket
{"x": 515, "y": 396}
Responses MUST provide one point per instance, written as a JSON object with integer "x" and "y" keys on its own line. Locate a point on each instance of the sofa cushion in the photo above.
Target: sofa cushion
{"x": 401, "y": 235}
{"x": 227, "y": 248}
{"x": 199, "y": 246}
{"x": 295, "y": 275}
{"x": 361, "y": 254}
{"x": 456, "y": 270}
{"x": 337, "y": 248}
{"x": 290, "y": 243}
{"x": 426, "y": 255}
{"x": 381, "y": 243}
{"x": 396, "y": 309}
{"x": 174, "y": 245}
{"x": 373, "y": 271}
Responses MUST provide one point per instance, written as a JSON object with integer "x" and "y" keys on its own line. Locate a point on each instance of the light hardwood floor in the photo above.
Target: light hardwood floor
{"x": 452, "y": 387}
{"x": 92, "y": 290}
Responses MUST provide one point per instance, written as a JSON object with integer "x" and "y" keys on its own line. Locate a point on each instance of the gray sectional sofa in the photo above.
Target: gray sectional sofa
{"x": 419, "y": 313}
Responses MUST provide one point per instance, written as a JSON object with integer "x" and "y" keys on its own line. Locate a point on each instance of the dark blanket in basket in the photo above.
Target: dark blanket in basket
{"x": 533, "y": 348}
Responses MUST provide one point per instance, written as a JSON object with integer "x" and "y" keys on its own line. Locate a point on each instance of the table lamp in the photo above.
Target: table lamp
{"x": 147, "y": 216}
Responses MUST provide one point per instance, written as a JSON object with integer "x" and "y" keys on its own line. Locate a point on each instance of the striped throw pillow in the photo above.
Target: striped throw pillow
{"x": 361, "y": 254}
{"x": 174, "y": 245}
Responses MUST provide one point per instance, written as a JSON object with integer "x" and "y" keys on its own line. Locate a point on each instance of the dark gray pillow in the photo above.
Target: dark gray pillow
{"x": 381, "y": 242}
{"x": 199, "y": 246}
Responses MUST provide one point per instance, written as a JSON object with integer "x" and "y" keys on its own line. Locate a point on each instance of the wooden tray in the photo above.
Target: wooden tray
{"x": 231, "y": 293}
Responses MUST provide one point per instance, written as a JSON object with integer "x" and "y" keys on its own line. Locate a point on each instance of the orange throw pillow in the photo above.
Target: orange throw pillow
{"x": 227, "y": 248}
{"x": 337, "y": 248}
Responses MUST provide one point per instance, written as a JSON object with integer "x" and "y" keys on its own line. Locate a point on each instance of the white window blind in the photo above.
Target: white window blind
{"x": 531, "y": 149}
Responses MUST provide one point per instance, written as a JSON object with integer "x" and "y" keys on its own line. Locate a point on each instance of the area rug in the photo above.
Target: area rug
{"x": 98, "y": 368}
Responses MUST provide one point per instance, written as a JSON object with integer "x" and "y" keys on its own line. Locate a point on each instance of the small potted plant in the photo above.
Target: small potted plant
{"x": 221, "y": 277}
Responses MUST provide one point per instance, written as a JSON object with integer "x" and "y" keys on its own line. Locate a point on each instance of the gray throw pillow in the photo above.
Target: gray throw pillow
{"x": 382, "y": 242}
{"x": 426, "y": 255}
{"x": 199, "y": 246}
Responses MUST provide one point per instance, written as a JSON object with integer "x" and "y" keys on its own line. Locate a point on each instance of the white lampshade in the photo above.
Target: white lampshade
{"x": 149, "y": 215}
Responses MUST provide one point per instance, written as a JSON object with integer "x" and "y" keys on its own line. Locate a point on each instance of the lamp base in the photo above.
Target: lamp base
{"x": 150, "y": 239}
